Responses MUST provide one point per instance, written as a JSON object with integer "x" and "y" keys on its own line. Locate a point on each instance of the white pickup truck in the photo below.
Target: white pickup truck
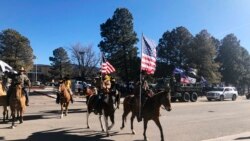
{"x": 79, "y": 85}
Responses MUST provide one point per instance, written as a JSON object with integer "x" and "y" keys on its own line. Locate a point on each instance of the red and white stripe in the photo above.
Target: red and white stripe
{"x": 148, "y": 63}
{"x": 107, "y": 68}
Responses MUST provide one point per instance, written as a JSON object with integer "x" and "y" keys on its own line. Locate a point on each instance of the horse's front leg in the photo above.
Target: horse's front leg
{"x": 124, "y": 115}
{"x": 100, "y": 119}
{"x": 132, "y": 122}
{"x": 61, "y": 110}
{"x": 112, "y": 118}
{"x": 157, "y": 122}
{"x": 66, "y": 108}
{"x": 106, "y": 124}
{"x": 87, "y": 115}
{"x": 21, "y": 116}
{"x": 7, "y": 113}
{"x": 4, "y": 113}
{"x": 145, "y": 123}
{"x": 13, "y": 119}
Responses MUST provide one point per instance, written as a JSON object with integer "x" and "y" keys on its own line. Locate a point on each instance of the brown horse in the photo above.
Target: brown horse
{"x": 89, "y": 91}
{"x": 150, "y": 110}
{"x": 3, "y": 102}
{"x": 17, "y": 103}
{"x": 64, "y": 99}
{"x": 102, "y": 104}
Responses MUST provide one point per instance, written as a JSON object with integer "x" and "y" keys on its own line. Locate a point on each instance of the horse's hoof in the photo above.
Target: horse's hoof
{"x": 12, "y": 127}
{"x": 102, "y": 130}
{"x": 88, "y": 127}
{"x": 108, "y": 134}
{"x": 133, "y": 132}
{"x": 121, "y": 128}
{"x": 146, "y": 139}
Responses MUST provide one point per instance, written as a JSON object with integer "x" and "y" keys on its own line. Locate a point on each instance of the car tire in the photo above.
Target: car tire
{"x": 173, "y": 99}
{"x": 221, "y": 97}
{"x": 248, "y": 96}
{"x": 234, "y": 97}
{"x": 194, "y": 97}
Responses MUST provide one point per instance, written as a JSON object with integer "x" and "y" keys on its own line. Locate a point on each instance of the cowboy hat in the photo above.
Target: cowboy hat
{"x": 21, "y": 69}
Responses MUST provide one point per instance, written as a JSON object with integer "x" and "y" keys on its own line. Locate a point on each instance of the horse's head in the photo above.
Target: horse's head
{"x": 62, "y": 88}
{"x": 18, "y": 91}
{"x": 166, "y": 99}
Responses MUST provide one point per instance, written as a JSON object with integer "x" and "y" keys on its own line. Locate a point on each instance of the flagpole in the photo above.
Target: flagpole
{"x": 140, "y": 84}
{"x": 101, "y": 70}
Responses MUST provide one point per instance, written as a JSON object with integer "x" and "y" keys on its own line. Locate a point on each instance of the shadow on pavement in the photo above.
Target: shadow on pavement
{"x": 82, "y": 110}
{"x": 243, "y": 138}
{"x": 64, "y": 135}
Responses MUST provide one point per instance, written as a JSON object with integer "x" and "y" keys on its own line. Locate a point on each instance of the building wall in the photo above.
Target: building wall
{"x": 39, "y": 72}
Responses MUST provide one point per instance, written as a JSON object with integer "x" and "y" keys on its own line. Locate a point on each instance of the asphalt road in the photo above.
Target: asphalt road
{"x": 202, "y": 120}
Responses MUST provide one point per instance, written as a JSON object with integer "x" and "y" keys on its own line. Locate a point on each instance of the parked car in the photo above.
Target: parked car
{"x": 79, "y": 85}
{"x": 221, "y": 93}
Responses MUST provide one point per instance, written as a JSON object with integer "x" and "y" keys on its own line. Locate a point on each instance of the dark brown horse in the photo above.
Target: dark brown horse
{"x": 64, "y": 99}
{"x": 3, "y": 102}
{"x": 17, "y": 103}
{"x": 102, "y": 104}
{"x": 150, "y": 110}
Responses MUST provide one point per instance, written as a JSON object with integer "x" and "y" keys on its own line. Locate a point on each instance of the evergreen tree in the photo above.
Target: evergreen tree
{"x": 60, "y": 65}
{"x": 201, "y": 54}
{"x": 118, "y": 43}
{"x": 15, "y": 50}
{"x": 170, "y": 51}
{"x": 230, "y": 58}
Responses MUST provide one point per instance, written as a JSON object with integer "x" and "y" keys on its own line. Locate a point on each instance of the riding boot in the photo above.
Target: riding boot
{"x": 27, "y": 100}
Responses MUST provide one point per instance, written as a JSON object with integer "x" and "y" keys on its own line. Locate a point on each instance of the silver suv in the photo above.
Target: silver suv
{"x": 221, "y": 93}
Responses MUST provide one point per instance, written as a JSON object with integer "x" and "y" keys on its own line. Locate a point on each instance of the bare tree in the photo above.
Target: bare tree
{"x": 85, "y": 59}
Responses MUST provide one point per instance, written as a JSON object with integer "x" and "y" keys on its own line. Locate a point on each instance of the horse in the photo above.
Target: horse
{"x": 17, "y": 103}
{"x": 64, "y": 99}
{"x": 150, "y": 110}
{"x": 88, "y": 91}
{"x": 102, "y": 104}
{"x": 3, "y": 102}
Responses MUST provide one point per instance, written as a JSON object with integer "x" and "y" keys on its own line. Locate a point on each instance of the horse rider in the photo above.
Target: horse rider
{"x": 67, "y": 83}
{"x": 114, "y": 91}
{"x": 106, "y": 84}
{"x": 23, "y": 79}
{"x": 58, "y": 94}
{"x": 145, "y": 93}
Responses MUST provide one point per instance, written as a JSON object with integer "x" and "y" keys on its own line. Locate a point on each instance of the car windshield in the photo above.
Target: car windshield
{"x": 217, "y": 89}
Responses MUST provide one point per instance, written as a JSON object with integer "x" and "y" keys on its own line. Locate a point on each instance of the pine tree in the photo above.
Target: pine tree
{"x": 60, "y": 65}
{"x": 118, "y": 43}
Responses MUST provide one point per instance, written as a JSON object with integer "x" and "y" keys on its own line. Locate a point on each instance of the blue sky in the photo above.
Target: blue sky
{"x": 50, "y": 24}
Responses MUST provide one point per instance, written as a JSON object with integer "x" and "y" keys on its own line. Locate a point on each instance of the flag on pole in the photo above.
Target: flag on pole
{"x": 106, "y": 67}
{"x": 148, "y": 60}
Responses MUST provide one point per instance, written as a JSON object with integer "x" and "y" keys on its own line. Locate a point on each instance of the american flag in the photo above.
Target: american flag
{"x": 148, "y": 60}
{"x": 106, "y": 67}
